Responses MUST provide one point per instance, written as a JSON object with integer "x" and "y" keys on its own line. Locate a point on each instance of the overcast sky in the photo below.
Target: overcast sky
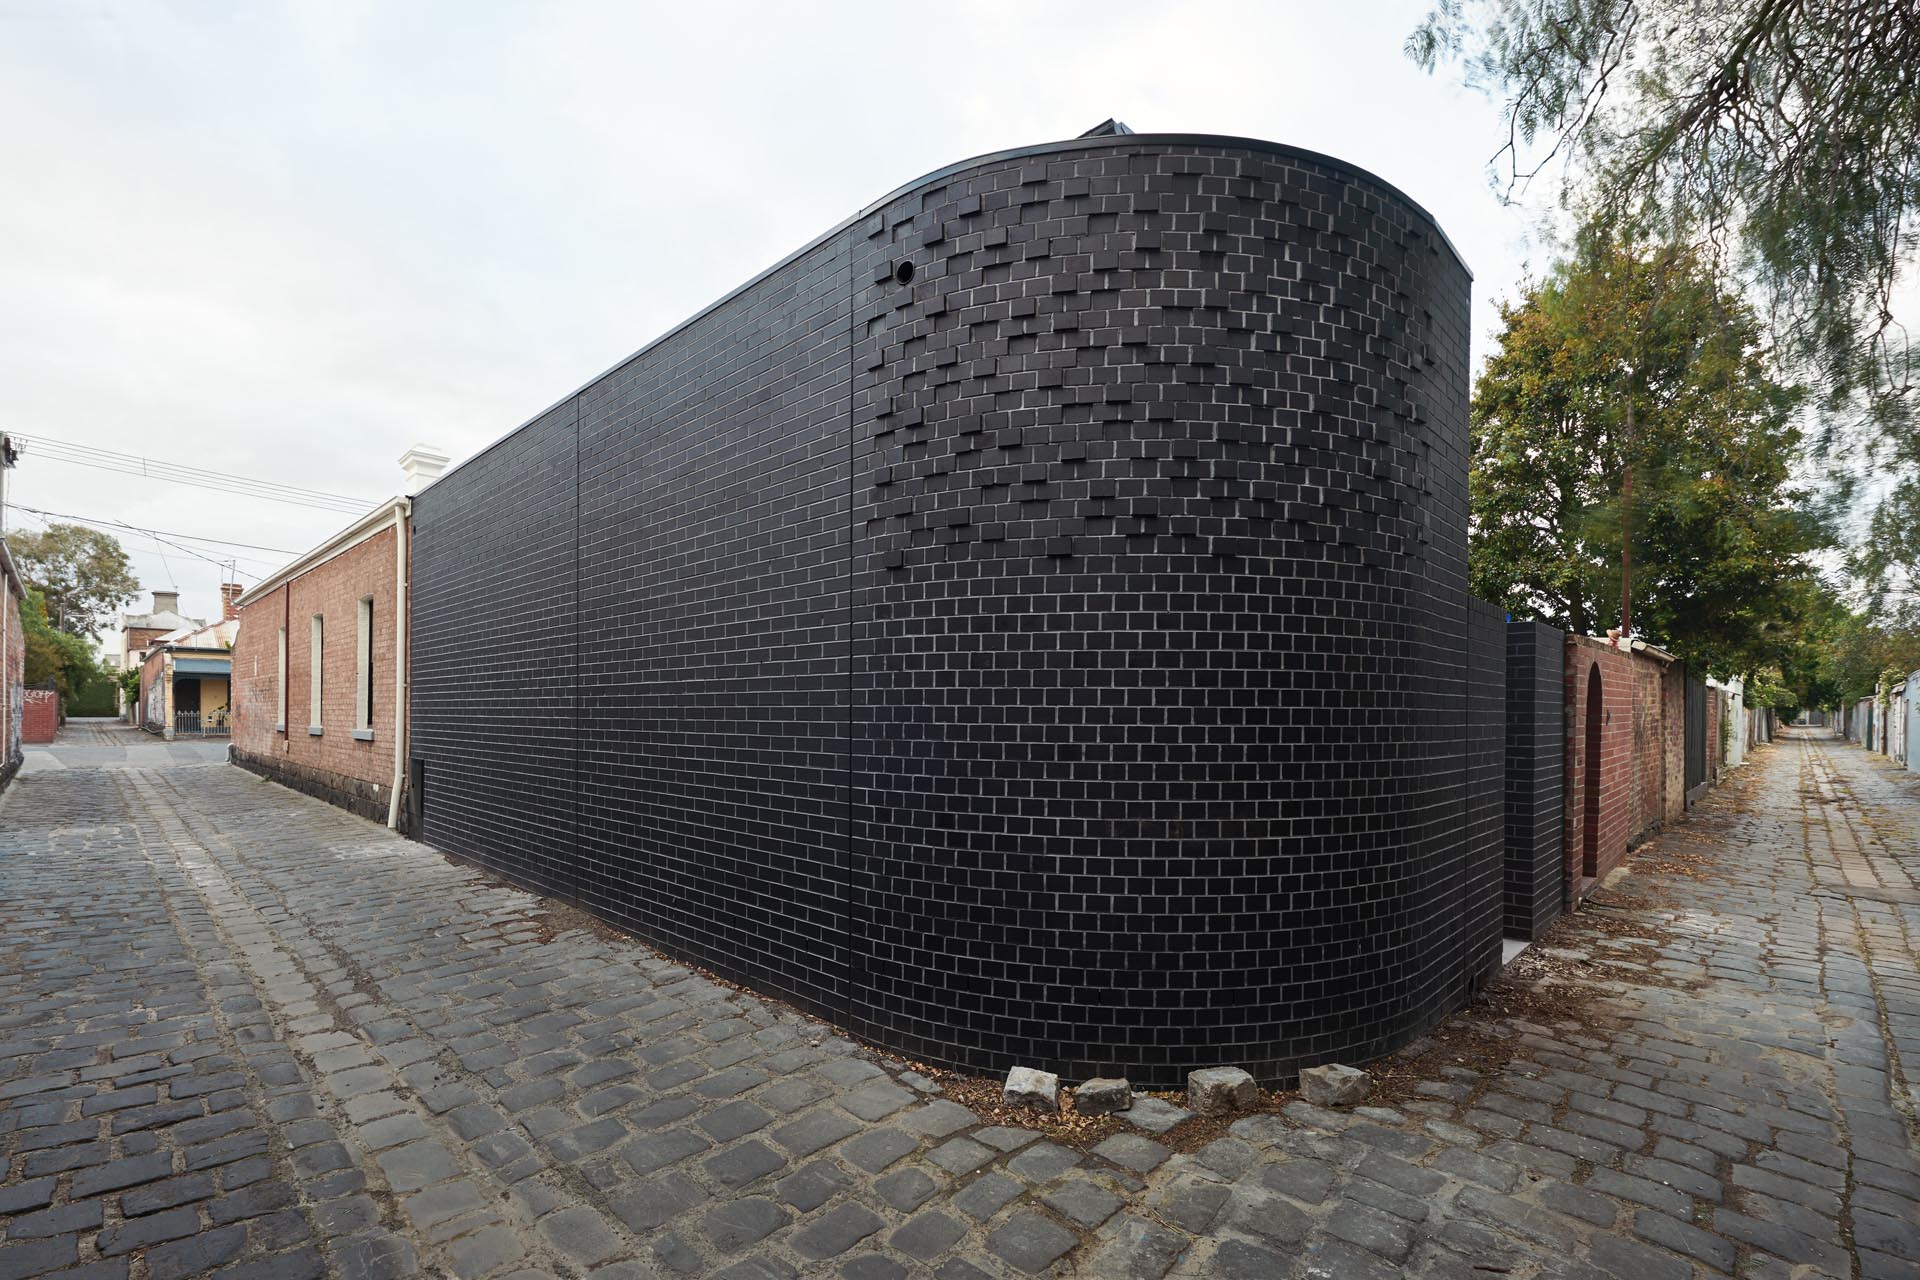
{"x": 286, "y": 241}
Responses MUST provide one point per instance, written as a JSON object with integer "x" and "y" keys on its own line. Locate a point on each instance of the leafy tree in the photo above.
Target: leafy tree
{"x": 1806, "y": 665}
{"x": 1791, "y": 127}
{"x": 1633, "y": 363}
{"x": 1765, "y": 691}
{"x": 1781, "y": 136}
{"x": 67, "y": 660}
{"x": 1889, "y": 557}
{"x": 1841, "y": 654}
{"x": 83, "y": 574}
{"x": 1858, "y": 653}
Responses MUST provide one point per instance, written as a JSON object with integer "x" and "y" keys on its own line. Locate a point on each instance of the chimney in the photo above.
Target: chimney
{"x": 423, "y": 464}
{"x": 166, "y": 602}
{"x": 229, "y": 592}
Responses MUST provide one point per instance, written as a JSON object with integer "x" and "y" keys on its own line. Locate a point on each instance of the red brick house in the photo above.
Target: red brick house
{"x": 319, "y": 669}
{"x": 139, "y": 631}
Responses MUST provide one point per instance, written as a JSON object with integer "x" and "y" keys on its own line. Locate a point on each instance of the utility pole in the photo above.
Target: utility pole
{"x": 9, "y": 454}
{"x": 1626, "y": 524}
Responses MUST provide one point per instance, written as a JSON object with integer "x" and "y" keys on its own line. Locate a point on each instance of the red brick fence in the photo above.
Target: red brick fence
{"x": 40, "y": 715}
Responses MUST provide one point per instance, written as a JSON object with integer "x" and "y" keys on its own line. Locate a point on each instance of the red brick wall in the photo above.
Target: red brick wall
{"x": 1614, "y": 765}
{"x": 13, "y": 669}
{"x": 256, "y": 670}
{"x": 1673, "y": 748}
{"x": 41, "y": 715}
{"x": 335, "y": 760}
{"x": 1659, "y": 746}
{"x": 1649, "y": 768}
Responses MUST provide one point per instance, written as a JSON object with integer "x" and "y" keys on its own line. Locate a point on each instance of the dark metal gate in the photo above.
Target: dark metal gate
{"x": 1696, "y": 733}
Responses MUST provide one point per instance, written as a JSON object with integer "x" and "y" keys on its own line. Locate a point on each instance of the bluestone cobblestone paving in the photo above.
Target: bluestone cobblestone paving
{"x": 243, "y": 1033}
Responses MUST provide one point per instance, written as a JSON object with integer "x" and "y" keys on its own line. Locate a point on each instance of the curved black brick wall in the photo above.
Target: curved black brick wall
{"x": 1029, "y": 624}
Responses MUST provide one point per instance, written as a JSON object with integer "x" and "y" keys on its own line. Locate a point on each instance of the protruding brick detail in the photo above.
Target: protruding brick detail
{"x": 229, "y": 593}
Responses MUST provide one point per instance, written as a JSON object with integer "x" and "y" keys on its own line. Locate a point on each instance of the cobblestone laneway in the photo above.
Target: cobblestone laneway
{"x": 244, "y": 1033}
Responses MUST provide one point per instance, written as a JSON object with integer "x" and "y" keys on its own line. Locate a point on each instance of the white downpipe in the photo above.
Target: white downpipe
{"x": 401, "y": 511}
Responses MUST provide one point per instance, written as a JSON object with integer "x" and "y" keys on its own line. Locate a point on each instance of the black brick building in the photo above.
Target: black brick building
{"x": 1029, "y": 624}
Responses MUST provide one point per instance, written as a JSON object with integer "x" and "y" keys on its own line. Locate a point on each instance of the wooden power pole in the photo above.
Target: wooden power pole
{"x": 1626, "y": 526}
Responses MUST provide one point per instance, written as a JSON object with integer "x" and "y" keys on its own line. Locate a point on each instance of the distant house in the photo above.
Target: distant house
{"x": 139, "y": 631}
{"x": 186, "y": 681}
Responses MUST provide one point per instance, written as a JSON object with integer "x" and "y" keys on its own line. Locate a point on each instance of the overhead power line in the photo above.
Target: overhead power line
{"x": 198, "y": 477}
{"x": 227, "y": 566}
{"x": 158, "y": 466}
{"x": 121, "y": 524}
{"x": 238, "y": 490}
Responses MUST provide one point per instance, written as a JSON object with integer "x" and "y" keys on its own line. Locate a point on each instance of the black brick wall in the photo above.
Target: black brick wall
{"x": 1027, "y": 625}
{"x": 494, "y": 666}
{"x": 714, "y": 506}
{"x": 1536, "y": 866}
{"x": 1486, "y": 771}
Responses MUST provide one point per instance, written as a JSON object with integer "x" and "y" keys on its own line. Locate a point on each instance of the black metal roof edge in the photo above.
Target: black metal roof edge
{"x": 1121, "y": 142}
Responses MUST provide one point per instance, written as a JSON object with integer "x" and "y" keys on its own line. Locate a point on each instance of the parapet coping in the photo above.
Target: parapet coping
{"x": 1116, "y": 143}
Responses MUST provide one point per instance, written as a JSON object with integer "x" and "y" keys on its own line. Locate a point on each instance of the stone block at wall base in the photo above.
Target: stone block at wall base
{"x": 363, "y": 799}
{"x": 7, "y": 771}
